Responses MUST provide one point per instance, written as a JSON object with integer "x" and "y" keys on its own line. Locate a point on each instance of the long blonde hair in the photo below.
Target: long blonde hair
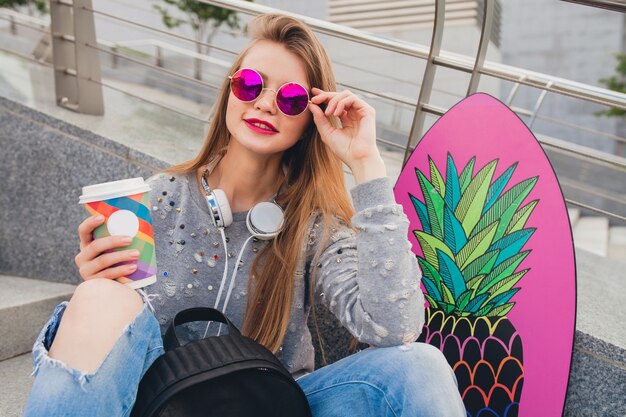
{"x": 314, "y": 184}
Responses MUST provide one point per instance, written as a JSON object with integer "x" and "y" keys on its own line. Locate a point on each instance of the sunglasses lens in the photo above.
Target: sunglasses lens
{"x": 246, "y": 84}
{"x": 292, "y": 99}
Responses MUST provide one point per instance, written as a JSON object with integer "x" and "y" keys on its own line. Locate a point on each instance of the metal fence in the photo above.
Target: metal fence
{"x": 78, "y": 81}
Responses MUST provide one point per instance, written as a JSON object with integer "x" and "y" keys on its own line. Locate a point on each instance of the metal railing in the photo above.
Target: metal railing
{"x": 618, "y": 5}
{"x": 88, "y": 78}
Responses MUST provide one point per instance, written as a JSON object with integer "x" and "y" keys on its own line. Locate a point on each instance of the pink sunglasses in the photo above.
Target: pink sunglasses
{"x": 292, "y": 98}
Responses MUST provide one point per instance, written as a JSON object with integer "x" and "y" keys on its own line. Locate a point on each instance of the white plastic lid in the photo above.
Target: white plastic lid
{"x": 113, "y": 189}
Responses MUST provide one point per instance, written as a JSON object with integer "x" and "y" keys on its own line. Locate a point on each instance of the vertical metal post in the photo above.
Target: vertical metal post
{"x": 538, "y": 104}
{"x": 514, "y": 90}
{"x": 43, "y": 50}
{"x": 76, "y": 66}
{"x": 428, "y": 78}
{"x": 485, "y": 36}
{"x": 114, "y": 60}
{"x": 159, "y": 56}
{"x": 13, "y": 25}
{"x": 63, "y": 54}
{"x": 87, "y": 60}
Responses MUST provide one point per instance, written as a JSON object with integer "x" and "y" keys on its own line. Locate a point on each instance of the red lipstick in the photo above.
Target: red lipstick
{"x": 261, "y": 126}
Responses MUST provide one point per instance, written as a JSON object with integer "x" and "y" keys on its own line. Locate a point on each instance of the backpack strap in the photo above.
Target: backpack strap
{"x": 170, "y": 340}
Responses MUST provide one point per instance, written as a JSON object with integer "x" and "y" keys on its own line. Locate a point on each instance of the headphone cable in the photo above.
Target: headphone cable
{"x": 232, "y": 279}
{"x": 224, "y": 275}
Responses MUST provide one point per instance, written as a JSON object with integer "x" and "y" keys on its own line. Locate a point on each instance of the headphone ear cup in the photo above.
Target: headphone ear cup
{"x": 223, "y": 209}
{"x": 265, "y": 220}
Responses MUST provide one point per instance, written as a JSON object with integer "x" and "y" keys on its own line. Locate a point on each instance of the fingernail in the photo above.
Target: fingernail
{"x": 99, "y": 218}
{"x": 134, "y": 253}
{"x": 130, "y": 267}
{"x": 127, "y": 239}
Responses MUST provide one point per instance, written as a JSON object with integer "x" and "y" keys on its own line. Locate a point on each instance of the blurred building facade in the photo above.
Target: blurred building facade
{"x": 571, "y": 41}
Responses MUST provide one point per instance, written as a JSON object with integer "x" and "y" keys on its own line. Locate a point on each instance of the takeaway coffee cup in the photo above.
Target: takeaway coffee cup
{"x": 125, "y": 205}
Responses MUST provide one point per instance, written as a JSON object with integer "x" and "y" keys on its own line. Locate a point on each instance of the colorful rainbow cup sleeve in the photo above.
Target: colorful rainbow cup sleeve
{"x": 129, "y": 216}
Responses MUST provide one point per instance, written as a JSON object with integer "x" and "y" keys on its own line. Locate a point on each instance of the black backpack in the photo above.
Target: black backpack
{"x": 226, "y": 376}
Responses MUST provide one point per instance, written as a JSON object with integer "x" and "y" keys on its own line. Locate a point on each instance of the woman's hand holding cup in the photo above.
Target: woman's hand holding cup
{"x": 116, "y": 240}
{"x": 97, "y": 256}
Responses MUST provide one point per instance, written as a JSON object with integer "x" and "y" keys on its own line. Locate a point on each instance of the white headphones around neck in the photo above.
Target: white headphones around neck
{"x": 264, "y": 220}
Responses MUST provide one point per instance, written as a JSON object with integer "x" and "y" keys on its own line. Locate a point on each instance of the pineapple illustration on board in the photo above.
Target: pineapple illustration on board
{"x": 493, "y": 242}
{"x": 472, "y": 249}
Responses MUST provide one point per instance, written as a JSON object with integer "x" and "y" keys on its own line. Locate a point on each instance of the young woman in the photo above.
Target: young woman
{"x": 274, "y": 155}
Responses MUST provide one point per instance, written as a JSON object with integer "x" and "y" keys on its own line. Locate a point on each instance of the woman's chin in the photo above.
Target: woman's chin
{"x": 262, "y": 144}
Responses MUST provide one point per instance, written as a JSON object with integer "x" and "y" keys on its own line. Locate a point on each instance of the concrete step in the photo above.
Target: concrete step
{"x": 574, "y": 215}
{"x": 25, "y": 306}
{"x": 598, "y": 376}
{"x": 592, "y": 234}
{"x": 617, "y": 243}
{"x": 15, "y": 383}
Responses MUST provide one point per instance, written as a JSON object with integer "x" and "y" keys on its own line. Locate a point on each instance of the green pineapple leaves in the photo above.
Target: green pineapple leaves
{"x": 520, "y": 217}
{"x": 453, "y": 234}
{"x": 481, "y": 265}
{"x": 498, "y": 186}
{"x": 501, "y": 271}
{"x": 473, "y": 236}
{"x": 431, "y": 279}
{"x": 430, "y": 245}
{"x": 477, "y": 245}
{"x": 436, "y": 178}
{"x": 451, "y": 275}
{"x": 473, "y": 199}
{"x": 505, "y": 207}
{"x": 512, "y": 243}
{"x": 420, "y": 209}
{"x": 453, "y": 186}
{"x": 434, "y": 205}
{"x": 466, "y": 174}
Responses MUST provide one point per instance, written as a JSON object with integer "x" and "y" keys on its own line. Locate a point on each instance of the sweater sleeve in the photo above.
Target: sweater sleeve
{"x": 368, "y": 277}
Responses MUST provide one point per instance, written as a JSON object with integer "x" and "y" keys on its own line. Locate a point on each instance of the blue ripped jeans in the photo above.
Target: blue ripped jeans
{"x": 59, "y": 390}
{"x": 411, "y": 380}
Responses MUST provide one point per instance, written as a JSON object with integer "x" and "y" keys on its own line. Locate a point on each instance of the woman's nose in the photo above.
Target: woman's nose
{"x": 266, "y": 100}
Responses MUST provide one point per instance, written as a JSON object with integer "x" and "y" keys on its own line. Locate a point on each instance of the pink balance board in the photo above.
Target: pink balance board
{"x": 492, "y": 236}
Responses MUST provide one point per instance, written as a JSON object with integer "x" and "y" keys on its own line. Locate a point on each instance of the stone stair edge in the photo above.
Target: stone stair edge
{"x": 15, "y": 384}
{"x": 29, "y": 290}
{"x": 25, "y": 306}
{"x": 601, "y": 349}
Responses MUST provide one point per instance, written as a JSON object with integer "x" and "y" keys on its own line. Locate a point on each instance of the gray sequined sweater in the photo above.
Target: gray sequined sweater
{"x": 368, "y": 277}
